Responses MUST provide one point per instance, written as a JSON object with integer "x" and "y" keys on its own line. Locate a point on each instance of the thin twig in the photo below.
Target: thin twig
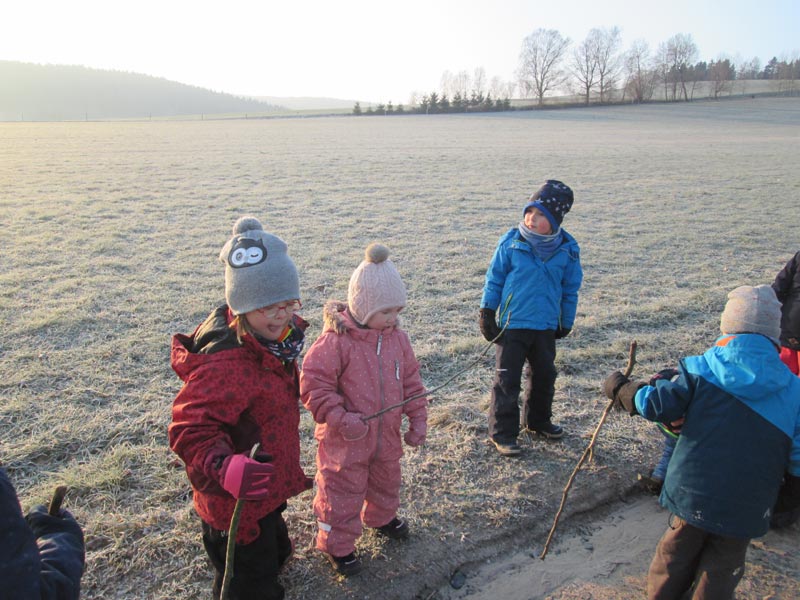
{"x": 230, "y": 548}
{"x": 587, "y": 452}
{"x": 447, "y": 381}
{"x": 56, "y": 500}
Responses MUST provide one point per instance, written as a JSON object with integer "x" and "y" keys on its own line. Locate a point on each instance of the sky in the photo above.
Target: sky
{"x": 376, "y": 51}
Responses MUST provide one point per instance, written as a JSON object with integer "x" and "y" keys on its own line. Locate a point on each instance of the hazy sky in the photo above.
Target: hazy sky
{"x": 373, "y": 50}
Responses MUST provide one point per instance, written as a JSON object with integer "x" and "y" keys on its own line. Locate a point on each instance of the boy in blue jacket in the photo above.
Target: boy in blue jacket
{"x": 531, "y": 289}
{"x": 737, "y": 459}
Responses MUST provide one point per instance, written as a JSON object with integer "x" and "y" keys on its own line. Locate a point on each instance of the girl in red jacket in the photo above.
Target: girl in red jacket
{"x": 362, "y": 363}
{"x": 240, "y": 387}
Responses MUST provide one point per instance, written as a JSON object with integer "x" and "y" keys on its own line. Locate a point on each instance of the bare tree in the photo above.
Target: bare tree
{"x": 479, "y": 81}
{"x": 608, "y": 59}
{"x": 681, "y": 55}
{"x": 721, "y": 75}
{"x": 447, "y": 84}
{"x": 584, "y": 64}
{"x": 462, "y": 82}
{"x": 540, "y": 62}
{"x": 641, "y": 76}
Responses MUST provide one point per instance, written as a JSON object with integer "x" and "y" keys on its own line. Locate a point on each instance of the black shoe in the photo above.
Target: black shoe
{"x": 345, "y": 565}
{"x": 650, "y": 483}
{"x": 397, "y": 529}
{"x": 549, "y": 430}
{"x": 507, "y": 448}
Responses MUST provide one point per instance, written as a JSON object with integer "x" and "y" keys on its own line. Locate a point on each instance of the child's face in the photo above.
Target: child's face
{"x": 384, "y": 318}
{"x": 536, "y": 221}
{"x": 271, "y": 321}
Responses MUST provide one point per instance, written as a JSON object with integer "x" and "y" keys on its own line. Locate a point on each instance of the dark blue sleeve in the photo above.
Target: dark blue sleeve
{"x": 20, "y": 566}
{"x": 667, "y": 401}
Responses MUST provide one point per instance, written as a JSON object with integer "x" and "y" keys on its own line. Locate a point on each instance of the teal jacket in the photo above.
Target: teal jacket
{"x": 539, "y": 294}
{"x": 741, "y": 435}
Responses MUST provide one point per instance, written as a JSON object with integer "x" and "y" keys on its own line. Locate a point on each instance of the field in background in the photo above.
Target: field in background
{"x": 110, "y": 234}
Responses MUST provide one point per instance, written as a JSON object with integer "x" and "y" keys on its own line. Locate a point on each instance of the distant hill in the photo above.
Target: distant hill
{"x": 308, "y": 103}
{"x": 33, "y": 92}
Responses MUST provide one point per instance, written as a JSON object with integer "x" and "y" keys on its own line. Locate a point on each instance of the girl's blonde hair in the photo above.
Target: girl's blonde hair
{"x": 242, "y": 326}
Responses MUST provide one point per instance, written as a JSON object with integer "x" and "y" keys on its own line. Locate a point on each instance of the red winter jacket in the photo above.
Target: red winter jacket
{"x": 354, "y": 369}
{"x": 233, "y": 396}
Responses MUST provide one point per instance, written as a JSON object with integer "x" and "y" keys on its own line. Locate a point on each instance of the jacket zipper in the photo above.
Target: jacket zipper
{"x": 382, "y": 392}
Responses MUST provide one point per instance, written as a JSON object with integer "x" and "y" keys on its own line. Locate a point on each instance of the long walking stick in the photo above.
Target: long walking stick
{"x": 231, "y": 547}
{"x": 587, "y": 452}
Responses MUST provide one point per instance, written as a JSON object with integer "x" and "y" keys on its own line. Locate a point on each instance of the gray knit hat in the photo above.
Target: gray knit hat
{"x": 258, "y": 272}
{"x": 375, "y": 285}
{"x": 752, "y": 310}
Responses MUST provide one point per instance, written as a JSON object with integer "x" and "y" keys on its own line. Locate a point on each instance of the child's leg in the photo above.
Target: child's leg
{"x": 721, "y": 567}
{"x": 789, "y": 357}
{"x": 256, "y": 564}
{"x": 672, "y": 569}
{"x": 504, "y": 408}
{"x": 337, "y": 505}
{"x": 660, "y": 470}
{"x": 383, "y": 493}
{"x": 538, "y": 407}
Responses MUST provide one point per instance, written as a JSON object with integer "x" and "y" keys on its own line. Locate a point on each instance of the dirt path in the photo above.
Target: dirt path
{"x": 606, "y": 557}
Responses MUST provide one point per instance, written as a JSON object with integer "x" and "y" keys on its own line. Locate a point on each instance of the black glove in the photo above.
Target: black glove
{"x": 787, "y": 507}
{"x": 621, "y": 390}
{"x": 562, "y": 332}
{"x": 666, "y": 374}
{"x": 488, "y": 325}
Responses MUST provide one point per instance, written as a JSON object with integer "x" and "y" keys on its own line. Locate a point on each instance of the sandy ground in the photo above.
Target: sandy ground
{"x": 604, "y": 555}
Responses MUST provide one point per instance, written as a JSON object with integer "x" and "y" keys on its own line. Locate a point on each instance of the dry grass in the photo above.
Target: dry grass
{"x": 110, "y": 233}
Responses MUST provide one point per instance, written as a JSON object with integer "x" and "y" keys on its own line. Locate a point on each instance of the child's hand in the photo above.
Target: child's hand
{"x": 245, "y": 478}
{"x": 414, "y": 438}
{"x": 353, "y": 427}
{"x": 666, "y": 374}
{"x": 488, "y": 325}
{"x": 417, "y": 430}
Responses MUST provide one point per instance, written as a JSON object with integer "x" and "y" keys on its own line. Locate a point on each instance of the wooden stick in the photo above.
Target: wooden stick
{"x": 447, "y": 381}
{"x": 587, "y": 452}
{"x": 232, "y": 531}
{"x": 56, "y": 500}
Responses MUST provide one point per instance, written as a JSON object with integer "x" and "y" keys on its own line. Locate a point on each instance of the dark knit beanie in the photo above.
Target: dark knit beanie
{"x": 258, "y": 271}
{"x": 554, "y": 199}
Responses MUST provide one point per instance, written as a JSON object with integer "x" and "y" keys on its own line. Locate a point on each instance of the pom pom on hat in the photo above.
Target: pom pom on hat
{"x": 375, "y": 285}
{"x": 258, "y": 270}
{"x": 554, "y": 199}
{"x": 246, "y": 224}
{"x": 753, "y": 310}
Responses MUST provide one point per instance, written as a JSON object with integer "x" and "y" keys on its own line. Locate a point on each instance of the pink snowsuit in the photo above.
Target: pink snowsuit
{"x": 351, "y": 369}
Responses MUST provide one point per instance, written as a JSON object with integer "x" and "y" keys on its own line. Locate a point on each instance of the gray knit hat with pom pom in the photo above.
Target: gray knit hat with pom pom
{"x": 375, "y": 285}
{"x": 258, "y": 271}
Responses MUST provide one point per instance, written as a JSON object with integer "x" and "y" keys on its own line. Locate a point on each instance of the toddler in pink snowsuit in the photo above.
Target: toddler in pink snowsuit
{"x": 362, "y": 363}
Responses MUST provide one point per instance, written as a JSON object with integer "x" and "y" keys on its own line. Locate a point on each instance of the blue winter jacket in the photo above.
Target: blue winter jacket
{"x": 539, "y": 294}
{"x": 742, "y": 433}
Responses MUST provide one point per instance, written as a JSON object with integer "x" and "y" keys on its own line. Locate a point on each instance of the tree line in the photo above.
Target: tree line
{"x": 598, "y": 70}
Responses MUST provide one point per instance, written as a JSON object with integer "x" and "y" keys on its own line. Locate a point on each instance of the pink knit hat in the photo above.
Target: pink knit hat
{"x": 375, "y": 285}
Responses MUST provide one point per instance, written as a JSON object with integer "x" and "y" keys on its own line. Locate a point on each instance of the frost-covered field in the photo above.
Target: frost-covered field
{"x": 110, "y": 234}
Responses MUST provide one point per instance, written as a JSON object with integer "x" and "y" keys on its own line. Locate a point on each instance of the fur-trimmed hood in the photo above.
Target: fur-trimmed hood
{"x": 336, "y": 318}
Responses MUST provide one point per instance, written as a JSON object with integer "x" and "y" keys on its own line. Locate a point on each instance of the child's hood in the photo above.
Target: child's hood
{"x": 746, "y": 366}
{"x": 336, "y": 318}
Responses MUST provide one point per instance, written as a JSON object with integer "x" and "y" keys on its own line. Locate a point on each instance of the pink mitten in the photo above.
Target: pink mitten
{"x": 245, "y": 478}
{"x": 416, "y": 434}
{"x": 352, "y": 427}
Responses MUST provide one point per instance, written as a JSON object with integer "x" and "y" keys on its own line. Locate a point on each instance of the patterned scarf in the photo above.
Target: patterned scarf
{"x": 288, "y": 347}
{"x": 543, "y": 245}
